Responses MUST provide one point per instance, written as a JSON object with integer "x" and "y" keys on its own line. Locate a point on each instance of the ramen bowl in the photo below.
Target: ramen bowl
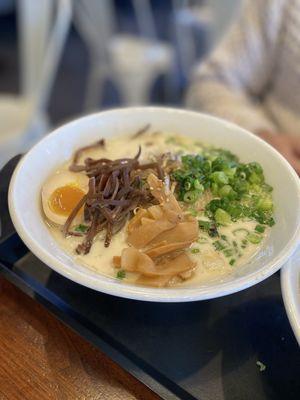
{"x": 58, "y": 146}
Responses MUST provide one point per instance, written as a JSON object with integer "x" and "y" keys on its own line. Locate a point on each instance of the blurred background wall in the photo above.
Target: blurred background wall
{"x": 116, "y": 52}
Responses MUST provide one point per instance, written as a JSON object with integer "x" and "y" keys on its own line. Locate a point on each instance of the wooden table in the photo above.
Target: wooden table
{"x": 40, "y": 358}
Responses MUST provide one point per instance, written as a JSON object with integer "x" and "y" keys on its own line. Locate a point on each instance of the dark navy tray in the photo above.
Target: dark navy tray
{"x": 203, "y": 350}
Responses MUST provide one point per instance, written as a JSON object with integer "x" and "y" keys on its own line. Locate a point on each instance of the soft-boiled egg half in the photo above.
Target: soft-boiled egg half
{"x": 61, "y": 193}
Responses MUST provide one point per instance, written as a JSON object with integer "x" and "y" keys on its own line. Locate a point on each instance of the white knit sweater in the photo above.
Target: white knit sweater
{"x": 253, "y": 77}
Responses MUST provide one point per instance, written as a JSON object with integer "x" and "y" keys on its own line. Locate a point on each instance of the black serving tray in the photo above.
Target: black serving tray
{"x": 202, "y": 350}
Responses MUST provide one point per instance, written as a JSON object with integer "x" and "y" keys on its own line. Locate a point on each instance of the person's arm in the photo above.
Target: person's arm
{"x": 287, "y": 145}
{"x": 239, "y": 71}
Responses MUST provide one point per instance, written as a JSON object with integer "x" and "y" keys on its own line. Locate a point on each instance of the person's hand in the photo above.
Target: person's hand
{"x": 287, "y": 145}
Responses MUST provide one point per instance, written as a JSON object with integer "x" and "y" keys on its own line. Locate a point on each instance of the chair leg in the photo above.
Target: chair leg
{"x": 170, "y": 85}
{"x": 94, "y": 88}
{"x": 134, "y": 87}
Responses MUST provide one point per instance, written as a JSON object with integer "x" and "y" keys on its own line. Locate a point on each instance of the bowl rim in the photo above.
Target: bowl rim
{"x": 290, "y": 289}
{"x": 117, "y": 288}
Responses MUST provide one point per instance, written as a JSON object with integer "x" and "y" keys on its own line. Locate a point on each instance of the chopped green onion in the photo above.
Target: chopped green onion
{"x": 222, "y": 217}
{"x": 235, "y": 210}
{"x": 239, "y": 189}
{"x": 254, "y": 238}
{"x": 191, "y": 196}
{"x": 205, "y": 225}
{"x": 209, "y": 227}
{"x": 214, "y": 188}
{"x": 239, "y": 231}
{"x": 225, "y": 190}
{"x": 260, "y": 228}
{"x": 265, "y": 204}
{"x": 198, "y": 186}
{"x": 187, "y": 185}
{"x": 195, "y": 250}
{"x": 218, "y": 245}
{"x": 230, "y": 172}
{"x": 261, "y": 366}
{"x": 121, "y": 274}
{"x": 202, "y": 240}
{"x": 241, "y": 186}
{"x": 219, "y": 177}
{"x": 193, "y": 212}
{"x": 255, "y": 178}
{"x": 267, "y": 188}
{"x": 232, "y": 261}
{"x": 228, "y": 252}
{"x": 271, "y": 222}
{"x": 243, "y": 176}
{"x": 81, "y": 228}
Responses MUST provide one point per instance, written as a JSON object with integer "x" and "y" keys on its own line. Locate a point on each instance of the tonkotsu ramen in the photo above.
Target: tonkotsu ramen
{"x": 157, "y": 209}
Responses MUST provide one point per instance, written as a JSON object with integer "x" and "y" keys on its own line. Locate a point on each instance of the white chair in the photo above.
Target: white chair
{"x": 131, "y": 62}
{"x": 23, "y": 118}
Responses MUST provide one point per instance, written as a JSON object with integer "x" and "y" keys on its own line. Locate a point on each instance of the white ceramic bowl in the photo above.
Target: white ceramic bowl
{"x": 290, "y": 287}
{"x": 37, "y": 165}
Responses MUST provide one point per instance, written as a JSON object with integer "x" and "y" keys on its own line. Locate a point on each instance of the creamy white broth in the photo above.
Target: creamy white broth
{"x": 208, "y": 269}
{"x": 211, "y": 264}
{"x": 152, "y": 143}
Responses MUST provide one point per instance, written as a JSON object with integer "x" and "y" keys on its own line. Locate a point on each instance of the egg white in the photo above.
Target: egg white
{"x": 60, "y": 179}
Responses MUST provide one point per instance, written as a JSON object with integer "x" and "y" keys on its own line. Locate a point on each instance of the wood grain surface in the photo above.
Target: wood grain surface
{"x": 40, "y": 358}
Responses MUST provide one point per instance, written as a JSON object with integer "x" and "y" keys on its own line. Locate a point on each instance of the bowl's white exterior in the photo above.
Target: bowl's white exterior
{"x": 37, "y": 165}
{"x": 290, "y": 287}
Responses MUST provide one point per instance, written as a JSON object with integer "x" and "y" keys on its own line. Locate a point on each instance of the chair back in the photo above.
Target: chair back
{"x": 42, "y": 27}
{"x": 145, "y": 19}
{"x": 95, "y": 20}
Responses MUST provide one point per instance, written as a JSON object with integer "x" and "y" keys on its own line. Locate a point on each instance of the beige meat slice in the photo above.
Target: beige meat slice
{"x": 161, "y": 250}
{"x": 182, "y": 232}
{"x": 165, "y": 211}
{"x": 162, "y": 194}
{"x": 157, "y": 281}
{"x": 156, "y": 212}
{"x": 144, "y": 234}
{"x": 159, "y": 231}
{"x": 171, "y": 214}
{"x": 136, "y": 220}
{"x": 133, "y": 260}
{"x": 146, "y": 220}
{"x": 157, "y": 188}
{"x": 187, "y": 274}
{"x": 175, "y": 266}
{"x": 117, "y": 261}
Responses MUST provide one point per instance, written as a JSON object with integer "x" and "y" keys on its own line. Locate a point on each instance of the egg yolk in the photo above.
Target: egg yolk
{"x": 64, "y": 199}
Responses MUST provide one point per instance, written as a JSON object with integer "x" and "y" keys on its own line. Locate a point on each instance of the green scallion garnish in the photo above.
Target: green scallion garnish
{"x": 121, "y": 274}
{"x": 260, "y": 228}
{"x": 195, "y": 251}
{"x": 81, "y": 228}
